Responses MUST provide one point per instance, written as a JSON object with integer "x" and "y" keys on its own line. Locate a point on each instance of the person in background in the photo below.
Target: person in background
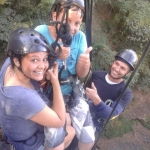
{"x": 106, "y": 87}
{"x": 24, "y": 109}
{"x": 76, "y": 58}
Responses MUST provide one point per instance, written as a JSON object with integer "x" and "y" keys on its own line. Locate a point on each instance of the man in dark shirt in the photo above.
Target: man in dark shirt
{"x": 107, "y": 86}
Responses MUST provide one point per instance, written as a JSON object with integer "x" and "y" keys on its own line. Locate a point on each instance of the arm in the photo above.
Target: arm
{"x": 103, "y": 110}
{"x": 54, "y": 117}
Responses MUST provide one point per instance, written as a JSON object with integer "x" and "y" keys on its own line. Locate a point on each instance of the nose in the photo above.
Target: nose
{"x": 117, "y": 68}
{"x": 72, "y": 27}
{"x": 42, "y": 65}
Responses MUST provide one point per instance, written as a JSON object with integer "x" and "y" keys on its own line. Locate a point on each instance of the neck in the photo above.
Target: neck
{"x": 52, "y": 31}
{"x": 13, "y": 77}
{"x": 116, "y": 80}
{"x": 24, "y": 80}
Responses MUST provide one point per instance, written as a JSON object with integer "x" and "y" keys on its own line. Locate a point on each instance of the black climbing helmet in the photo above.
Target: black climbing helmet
{"x": 128, "y": 56}
{"x": 79, "y": 3}
{"x": 58, "y": 3}
{"x": 24, "y": 40}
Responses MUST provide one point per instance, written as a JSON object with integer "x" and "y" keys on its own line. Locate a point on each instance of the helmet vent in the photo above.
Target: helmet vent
{"x": 36, "y": 41}
{"x": 45, "y": 42}
{"x": 20, "y": 32}
{"x": 28, "y": 41}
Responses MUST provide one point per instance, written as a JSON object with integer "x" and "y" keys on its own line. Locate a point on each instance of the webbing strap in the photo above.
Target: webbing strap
{"x": 68, "y": 80}
{"x": 88, "y": 29}
{"x": 88, "y": 23}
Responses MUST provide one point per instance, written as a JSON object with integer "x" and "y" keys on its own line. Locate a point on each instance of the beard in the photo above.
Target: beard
{"x": 121, "y": 77}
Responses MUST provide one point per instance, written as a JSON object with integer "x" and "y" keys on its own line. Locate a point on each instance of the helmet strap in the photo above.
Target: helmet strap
{"x": 20, "y": 69}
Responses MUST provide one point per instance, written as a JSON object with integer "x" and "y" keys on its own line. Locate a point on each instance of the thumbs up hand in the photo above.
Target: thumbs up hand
{"x": 84, "y": 58}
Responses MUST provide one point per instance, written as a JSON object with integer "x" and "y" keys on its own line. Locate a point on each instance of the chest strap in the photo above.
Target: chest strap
{"x": 68, "y": 80}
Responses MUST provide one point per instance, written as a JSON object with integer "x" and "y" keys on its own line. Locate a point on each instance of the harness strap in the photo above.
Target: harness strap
{"x": 69, "y": 80}
{"x": 7, "y": 140}
{"x": 88, "y": 26}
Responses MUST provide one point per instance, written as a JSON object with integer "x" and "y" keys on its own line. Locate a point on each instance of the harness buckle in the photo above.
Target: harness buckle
{"x": 66, "y": 98}
{"x": 99, "y": 120}
{"x": 65, "y": 81}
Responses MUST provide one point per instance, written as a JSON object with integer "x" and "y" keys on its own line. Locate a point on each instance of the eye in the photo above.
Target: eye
{"x": 45, "y": 59}
{"x": 123, "y": 69}
{"x": 116, "y": 63}
{"x": 77, "y": 23}
{"x": 34, "y": 60}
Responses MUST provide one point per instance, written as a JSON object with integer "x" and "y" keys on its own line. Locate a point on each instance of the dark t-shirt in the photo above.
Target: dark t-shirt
{"x": 106, "y": 92}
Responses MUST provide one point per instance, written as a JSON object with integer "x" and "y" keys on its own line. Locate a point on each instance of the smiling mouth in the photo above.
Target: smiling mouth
{"x": 72, "y": 33}
{"x": 39, "y": 72}
{"x": 114, "y": 72}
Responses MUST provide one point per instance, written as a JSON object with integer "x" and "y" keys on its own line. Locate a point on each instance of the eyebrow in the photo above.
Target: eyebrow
{"x": 38, "y": 56}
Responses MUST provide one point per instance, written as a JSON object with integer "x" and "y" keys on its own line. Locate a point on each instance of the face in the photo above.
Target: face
{"x": 74, "y": 20}
{"x": 119, "y": 69}
{"x": 34, "y": 65}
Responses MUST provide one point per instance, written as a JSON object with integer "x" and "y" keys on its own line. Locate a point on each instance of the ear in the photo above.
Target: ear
{"x": 129, "y": 73}
{"x": 54, "y": 16}
{"x": 16, "y": 62}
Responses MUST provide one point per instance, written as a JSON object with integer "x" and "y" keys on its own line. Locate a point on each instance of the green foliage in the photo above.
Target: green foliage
{"x": 22, "y": 13}
{"x": 131, "y": 22}
{"x": 2, "y": 2}
{"x": 102, "y": 57}
{"x": 118, "y": 127}
{"x": 134, "y": 18}
{"x": 9, "y": 20}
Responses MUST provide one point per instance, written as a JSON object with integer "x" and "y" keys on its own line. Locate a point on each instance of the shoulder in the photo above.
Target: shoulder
{"x": 41, "y": 28}
{"x": 21, "y": 94}
{"x": 79, "y": 35}
{"x": 128, "y": 91}
{"x": 28, "y": 102}
{"x": 5, "y": 65}
{"x": 99, "y": 73}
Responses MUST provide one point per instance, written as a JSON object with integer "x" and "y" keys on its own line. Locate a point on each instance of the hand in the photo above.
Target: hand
{"x": 65, "y": 53}
{"x": 91, "y": 93}
{"x": 84, "y": 58}
{"x": 52, "y": 74}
